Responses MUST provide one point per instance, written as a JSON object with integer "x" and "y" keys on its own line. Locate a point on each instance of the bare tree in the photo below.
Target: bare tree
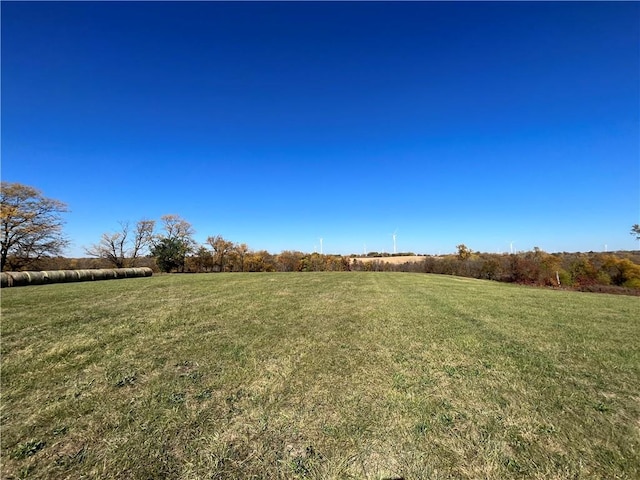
{"x": 31, "y": 226}
{"x": 176, "y": 227}
{"x": 119, "y": 249}
{"x": 111, "y": 247}
{"x": 143, "y": 236}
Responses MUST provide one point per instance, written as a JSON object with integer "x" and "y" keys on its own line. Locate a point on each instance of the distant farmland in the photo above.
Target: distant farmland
{"x": 318, "y": 375}
{"x": 393, "y": 260}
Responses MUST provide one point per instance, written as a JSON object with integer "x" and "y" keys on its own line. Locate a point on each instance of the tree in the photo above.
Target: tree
{"x": 119, "y": 248}
{"x": 31, "y": 226}
{"x": 289, "y": 261}
{"x": 241, "y": 251}
{"x": 202, "y": 260}
{"x": 221, "y": 248}
{"x": 464, "y": 252}
{"x": 635, "y": 230}
{"x": 170, "y": 253}
{"x": 143, "y": 236}
{"x": 172, "y": 247}
{"x": 261, "y": 261}
{"x": 176, "y": 227}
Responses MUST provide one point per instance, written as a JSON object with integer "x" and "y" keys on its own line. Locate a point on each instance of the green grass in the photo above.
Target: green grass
{"x": 318, "y": 375}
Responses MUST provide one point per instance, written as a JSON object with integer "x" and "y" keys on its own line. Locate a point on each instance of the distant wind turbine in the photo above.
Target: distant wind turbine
{"x": 321, "y": 246}
{"x": 394, "y": 241}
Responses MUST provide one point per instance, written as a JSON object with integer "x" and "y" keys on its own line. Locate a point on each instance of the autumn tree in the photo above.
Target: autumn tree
{"x": 221, "y": 250}
{"x": 261, "y": 261}
{"x": 171, "y": 247}
{"x": 240, "y": 252}
{"x": 31, "y": 226}
{"x": 122, "y": 248}
{"x": 289, "y": 261}
{"x": 202, "y": 260}
{"x": 464, "y": 252}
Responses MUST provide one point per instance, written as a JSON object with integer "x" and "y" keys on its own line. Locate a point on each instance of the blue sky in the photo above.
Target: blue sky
{"x": 276, "y": 124}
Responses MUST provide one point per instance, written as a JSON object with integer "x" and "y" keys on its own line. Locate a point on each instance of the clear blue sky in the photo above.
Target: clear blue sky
{"x": 275, "y": 124}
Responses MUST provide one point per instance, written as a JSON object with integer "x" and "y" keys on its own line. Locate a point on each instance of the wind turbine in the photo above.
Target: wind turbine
{"x": 511, "y": 245}
{"x": 321, "y": 246}
{"x": 394, "y": 241}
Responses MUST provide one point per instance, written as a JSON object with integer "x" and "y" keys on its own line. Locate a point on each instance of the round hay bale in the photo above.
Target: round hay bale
{"x": 143, "y": 272}
{"x": 55, "y": 276}
{"x": 128, "y": 272}
{"x": 109, "y": 273}
{"x": 85, "y": 275}
{"x": 71, "y": 276}
{"x": 20, "y": 279}
{"x": 136, "y": 272}
{"x": 37, "y": 278}
{"x": 99, "y": 274}
{"x": 6, "y": 280}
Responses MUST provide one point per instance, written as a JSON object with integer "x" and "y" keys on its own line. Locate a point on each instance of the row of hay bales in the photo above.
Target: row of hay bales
{"x": 21, "y": 279}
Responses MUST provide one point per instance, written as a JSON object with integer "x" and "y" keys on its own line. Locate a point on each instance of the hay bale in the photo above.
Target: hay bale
{"x": 137, "y": 272}
{"x": 55, "y": 276}
{"x": 143, "y": 272}
{"x": 85, "y": 275}
{"x": 99, "y": 274}
{"x": 20, "y": 279}
{"x": 71, "y": 276}
{"x": 128, "y": 272}
{"x": 6, "y": 280}
{"x": 37, "y": 278}
{"x": 109, "y": 274}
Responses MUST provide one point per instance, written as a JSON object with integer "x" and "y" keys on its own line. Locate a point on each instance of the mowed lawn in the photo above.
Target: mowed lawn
{"x": 318, "y": 375}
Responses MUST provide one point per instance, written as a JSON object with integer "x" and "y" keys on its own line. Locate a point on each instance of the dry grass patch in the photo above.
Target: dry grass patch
{"x": 395, "y": 260}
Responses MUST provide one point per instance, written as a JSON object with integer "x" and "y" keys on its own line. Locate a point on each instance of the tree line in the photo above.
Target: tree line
{"x": 32, "y": 238}
{"x": 173, "y": 249}
{"x": 612, "y": 272}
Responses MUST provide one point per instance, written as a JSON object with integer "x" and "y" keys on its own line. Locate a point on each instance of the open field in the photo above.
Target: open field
{"x": 393, "y": 260}
{"x": 318, "y": 375}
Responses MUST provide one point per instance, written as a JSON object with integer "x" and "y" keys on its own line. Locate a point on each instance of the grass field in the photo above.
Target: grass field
{"x": 318, "y": 375}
